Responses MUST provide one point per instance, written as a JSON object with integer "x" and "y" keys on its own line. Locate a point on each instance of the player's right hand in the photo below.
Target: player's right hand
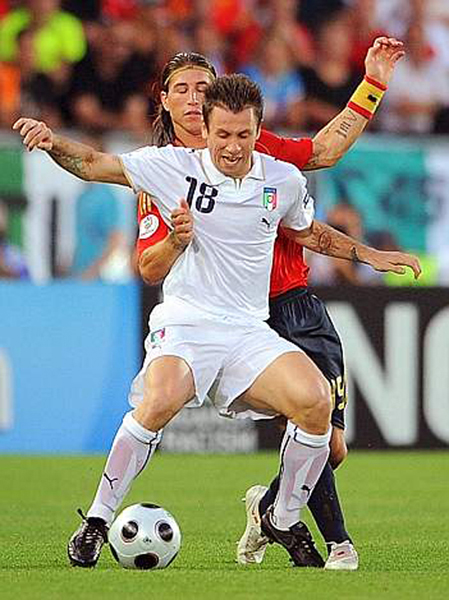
{"x": 35, "y": 134}
{"x": 182, "y": 223}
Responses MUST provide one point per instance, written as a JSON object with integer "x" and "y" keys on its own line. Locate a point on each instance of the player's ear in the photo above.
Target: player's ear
{"x": 164, "y": 100}
{"x": 204, "y": 131}
{"x": 259, "y": 131}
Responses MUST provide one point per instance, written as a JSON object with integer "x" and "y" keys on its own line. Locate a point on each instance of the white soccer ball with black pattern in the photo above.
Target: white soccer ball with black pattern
{"x": 144, "y": 536}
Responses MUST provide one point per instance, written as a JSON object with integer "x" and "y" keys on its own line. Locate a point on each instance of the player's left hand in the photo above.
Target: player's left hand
{"x": 394, "y": 262}
{"x": 382, "y": 58}
{"x": 182, "y": 223}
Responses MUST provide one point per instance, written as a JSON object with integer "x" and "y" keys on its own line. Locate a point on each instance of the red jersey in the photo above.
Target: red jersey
{"x": 289, "y": 268}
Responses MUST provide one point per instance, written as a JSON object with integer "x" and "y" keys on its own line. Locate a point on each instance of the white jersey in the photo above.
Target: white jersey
{"x": 225, "y": 271}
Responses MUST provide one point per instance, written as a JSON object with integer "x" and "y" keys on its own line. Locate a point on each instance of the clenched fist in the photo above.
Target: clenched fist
{"x": 182, "y": 222}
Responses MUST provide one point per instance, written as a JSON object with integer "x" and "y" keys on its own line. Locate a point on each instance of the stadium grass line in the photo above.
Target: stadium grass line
{"x": 396, "y": 506}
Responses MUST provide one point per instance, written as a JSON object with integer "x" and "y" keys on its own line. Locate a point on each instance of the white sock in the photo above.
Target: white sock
{"x": 131, "y": 450}
{"x": 303, "y": 457}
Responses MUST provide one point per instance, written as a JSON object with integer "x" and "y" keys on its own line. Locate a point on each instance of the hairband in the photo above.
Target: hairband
{"x": 188, "y": 67}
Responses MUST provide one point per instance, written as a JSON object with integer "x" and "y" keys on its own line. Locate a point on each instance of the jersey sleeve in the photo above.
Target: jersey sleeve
{"x": 297, "y": 152}
{"x": 301, "y": 214}
{"x": 160, "y": 173}
{"x": 150, "y": 169}
{"x": 152, "y": 227}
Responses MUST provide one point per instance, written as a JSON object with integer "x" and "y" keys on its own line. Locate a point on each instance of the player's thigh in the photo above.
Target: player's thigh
{"x": 171, "y": 377}
{"x": 289, "y": 385}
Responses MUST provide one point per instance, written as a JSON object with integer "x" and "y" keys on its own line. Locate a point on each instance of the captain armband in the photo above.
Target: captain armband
{"x": 367, "y": 97}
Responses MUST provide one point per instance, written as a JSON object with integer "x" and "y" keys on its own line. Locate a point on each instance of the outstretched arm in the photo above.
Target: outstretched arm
{"x": 324, "y": 239}
{"x": 335, "y": 139}
{"x": 76, "y": 158}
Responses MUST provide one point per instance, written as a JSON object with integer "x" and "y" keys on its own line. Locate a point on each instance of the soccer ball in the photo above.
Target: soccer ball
{"x": 144, "y": 536}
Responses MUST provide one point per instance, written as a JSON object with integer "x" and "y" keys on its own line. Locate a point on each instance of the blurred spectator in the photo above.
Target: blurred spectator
{"x": 237, "y": 21}
{"x": 330, "y": 83}
{"x": 22, "y": 88}
{"x": 4, "y": 7}
{"x": 438, "y": 10}
{"x": 145, "y": 33}
{"x": 101, "y": 248}
{"x": 59, "y": 37}
{"x": 11, "y": 76}
{"x": 315, "y": 12}
{"x": 87, "y": 10}
{"x": 283, "y": 16}
{"x": 434, "y": 17}
{"x": 179, "y": 10}
{"x": 171, "y": 40}
{"x": 365, "y": 29}
{"x": 227, "y": 16}
{"x": 9, "y": 93}
{"x": 119, "y": 9}
{"x": 281, "y": 84}
{"x": 161, "y": 10}
{"x": 336, "y": 271}
{"x": 209, "y": 42}
{"x": 109, "y": 85}
{"x": 12, "y": 263}
{"x": 395, "y": 16}
{"x": 418, "y": 90}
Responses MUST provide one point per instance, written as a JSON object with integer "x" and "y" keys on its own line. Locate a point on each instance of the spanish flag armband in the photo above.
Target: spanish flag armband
{"x": 367, "y": 97}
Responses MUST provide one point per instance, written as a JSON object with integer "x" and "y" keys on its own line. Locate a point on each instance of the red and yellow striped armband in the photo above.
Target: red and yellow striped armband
{"x": 367, "y": 97}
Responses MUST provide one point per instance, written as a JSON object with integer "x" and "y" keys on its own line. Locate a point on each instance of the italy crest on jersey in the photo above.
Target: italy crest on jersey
{"x": 270, "y": 198}
{"x": 157, "y": 337}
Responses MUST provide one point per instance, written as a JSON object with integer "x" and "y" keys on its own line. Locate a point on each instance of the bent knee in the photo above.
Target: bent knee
{"x": 314, "y": 413}
{"x": 155, "y": 412}
{"x": 321, "y": 406}
{"x": 158, "y": 408}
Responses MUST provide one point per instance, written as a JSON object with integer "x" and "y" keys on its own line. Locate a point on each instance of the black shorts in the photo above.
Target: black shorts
{"x": 301, "y": 318}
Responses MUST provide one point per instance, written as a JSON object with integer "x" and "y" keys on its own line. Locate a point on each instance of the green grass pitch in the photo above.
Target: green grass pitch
{"x": 396, "y": 504}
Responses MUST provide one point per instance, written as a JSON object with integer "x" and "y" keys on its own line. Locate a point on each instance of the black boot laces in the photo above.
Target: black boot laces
{"x": 92, "y": 533}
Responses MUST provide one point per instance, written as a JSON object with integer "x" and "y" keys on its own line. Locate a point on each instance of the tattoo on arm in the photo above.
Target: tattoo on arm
{"x": 354, "y": 254}
{"x": 326, "y": 240}
{"x": 76, "y": 165}
{"x": 316, "y": 161}
{"x": 324, "y": 244}
{"x": 335, "y": 139}
{"x": 348, "y": 121}
{"x": 74, "y": 157}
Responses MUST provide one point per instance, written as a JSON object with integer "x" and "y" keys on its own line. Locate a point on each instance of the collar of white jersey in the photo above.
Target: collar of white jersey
{"x": 216, "y": 177}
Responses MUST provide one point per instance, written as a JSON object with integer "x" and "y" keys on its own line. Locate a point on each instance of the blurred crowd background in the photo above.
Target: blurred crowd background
{"x": 92, "y": 65}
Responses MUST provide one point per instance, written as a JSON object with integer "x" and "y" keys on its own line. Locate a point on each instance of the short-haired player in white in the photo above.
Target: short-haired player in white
{"x": 209, "y": 334}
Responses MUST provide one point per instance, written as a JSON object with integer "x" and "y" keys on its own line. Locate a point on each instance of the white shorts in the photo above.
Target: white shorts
{"x": 225, "y": 360}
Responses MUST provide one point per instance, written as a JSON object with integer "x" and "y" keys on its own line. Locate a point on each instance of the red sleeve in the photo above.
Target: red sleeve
{"x": 298, "y": 152}
{"x": 152, "y": 228}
